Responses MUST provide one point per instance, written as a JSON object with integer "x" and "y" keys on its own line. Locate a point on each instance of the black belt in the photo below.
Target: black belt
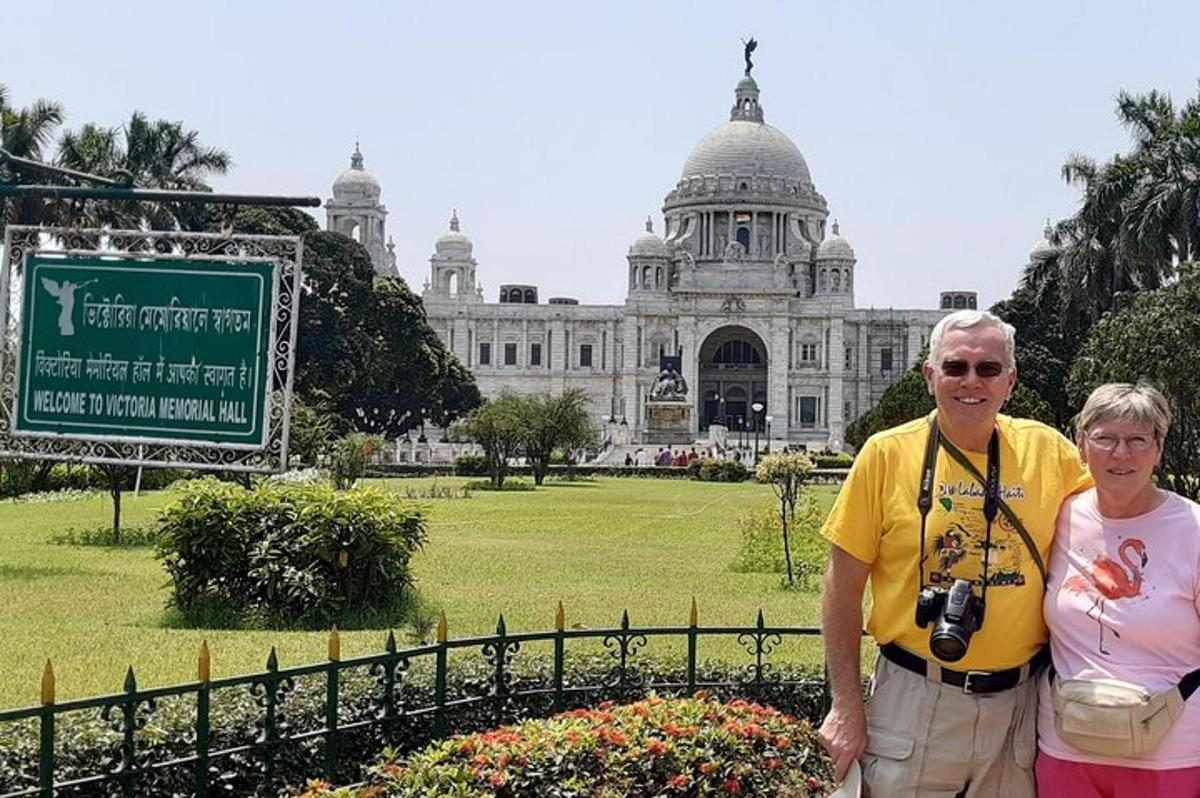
{"x": 969, "y": 681}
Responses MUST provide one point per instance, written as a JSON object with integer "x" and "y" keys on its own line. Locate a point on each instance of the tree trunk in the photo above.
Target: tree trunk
{"x": 540, "y": 467}
{"x": 787, "y": 549}
{"x": 114, "y": 490}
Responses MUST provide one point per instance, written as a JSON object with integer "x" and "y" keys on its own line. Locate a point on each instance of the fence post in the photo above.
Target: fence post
{"x": 501, "y": 685}
{"x": 129, "y": 722}
{"x": 331, "y": 705}
{"x": 439, "y": 683}
{"x": 46, "y": 755}
{"x": 204, "y": 676}
{"x": 693, "y": 618}
{"x": 559, "y": 644}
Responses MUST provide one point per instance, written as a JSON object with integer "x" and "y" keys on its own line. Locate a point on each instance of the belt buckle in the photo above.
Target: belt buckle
{"x": 966, "y": 685}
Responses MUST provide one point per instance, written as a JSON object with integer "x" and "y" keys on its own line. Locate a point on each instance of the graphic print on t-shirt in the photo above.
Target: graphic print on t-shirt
{"x": 1103, "y": 579}
{"x": 959, "y": 541}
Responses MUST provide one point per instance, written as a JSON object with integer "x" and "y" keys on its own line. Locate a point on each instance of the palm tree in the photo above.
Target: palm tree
{"x": 24, "y": 132}
{"x": 1140, "y": 212}
{"x": 146, "y": 154}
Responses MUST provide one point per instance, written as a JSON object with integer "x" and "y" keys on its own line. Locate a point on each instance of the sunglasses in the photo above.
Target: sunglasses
{"x": 985, "y": 370}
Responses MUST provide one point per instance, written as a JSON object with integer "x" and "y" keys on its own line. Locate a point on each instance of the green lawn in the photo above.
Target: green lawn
{"x": 599, "y": 547}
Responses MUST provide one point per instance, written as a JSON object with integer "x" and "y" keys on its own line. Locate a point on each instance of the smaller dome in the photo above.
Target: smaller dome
{"x": 1043, "y": 249}
{"x": 834, "y": 247}
{"x": 453, "y": 244}
{"x": 355, "y": 183}
{"x": 648, "y": 245}
{"x": 747, "y": 84}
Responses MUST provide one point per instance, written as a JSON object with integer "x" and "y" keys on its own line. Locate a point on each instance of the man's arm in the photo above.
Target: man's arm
{"x": 844, "y": 732}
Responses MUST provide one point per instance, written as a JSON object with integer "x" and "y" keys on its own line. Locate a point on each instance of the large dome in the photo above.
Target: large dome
{"x": 745, "y": 147}
{"x": 355, "y": 184}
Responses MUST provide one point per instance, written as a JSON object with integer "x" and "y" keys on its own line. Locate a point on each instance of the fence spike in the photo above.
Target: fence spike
{"x": 48, "y": 684}
{"x": 560, "y": 618}
{"x": 441, "y": 632}
{"x": 501, "y": 629}
{"x": 694, "y": 615}
{"x": 335, "y": 644}
{"x": 204, "y": 668}
{"x": 130, "y": 681}
{"x": 390, "y": 645}
{"x": 272, "y": 660}
{"x": 760, "y": 618}
{"x": 625, "y": 619}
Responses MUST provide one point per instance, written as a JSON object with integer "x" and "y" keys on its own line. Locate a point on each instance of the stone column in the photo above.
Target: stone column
{"x": 836, "y": 361}
{"x": 915, "y": 333}
{"x": 777, "y": 373}
{"x": 629, "y": 371}
{"x": 690, "y": 357}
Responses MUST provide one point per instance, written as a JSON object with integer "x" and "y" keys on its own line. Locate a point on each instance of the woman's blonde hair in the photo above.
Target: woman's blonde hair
{"x": 1122, "y": 401}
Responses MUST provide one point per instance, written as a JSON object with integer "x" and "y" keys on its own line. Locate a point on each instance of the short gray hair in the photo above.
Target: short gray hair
{"x": 965, "y": 319}
{"x": 1122, "y": 401}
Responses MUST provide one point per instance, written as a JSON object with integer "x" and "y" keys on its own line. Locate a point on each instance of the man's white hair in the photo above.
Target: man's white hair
{"x": 965, "y": 319}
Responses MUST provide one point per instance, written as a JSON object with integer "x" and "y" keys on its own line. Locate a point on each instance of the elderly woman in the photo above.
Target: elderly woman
{"x": 1123, "y": 608}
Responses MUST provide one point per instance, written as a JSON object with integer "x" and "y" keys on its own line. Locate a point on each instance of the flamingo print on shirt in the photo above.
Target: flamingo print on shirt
{"x": 1107, "y": 580}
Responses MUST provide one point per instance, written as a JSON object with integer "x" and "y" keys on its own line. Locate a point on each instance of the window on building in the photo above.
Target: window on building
{"x": 535, "y": 354}
{"x": 585, "y": 356}
{"x": 485, "y": 354}
{"x": 737, "y": 351}
{"x": 849, "y": 357}
{"x": 808, "y": 353}
{"x": 510, "y": 354}
{"x": 885, "y": 359}
{"x": 808, "y": 411}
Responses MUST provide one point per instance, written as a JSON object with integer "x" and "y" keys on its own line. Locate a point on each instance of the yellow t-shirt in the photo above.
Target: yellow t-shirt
{"x": 876, "y": 520}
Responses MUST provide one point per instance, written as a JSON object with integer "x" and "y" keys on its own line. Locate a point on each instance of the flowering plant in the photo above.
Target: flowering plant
{"x": 662, "y": 747}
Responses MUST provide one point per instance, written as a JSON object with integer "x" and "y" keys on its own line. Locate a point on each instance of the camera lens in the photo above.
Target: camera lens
{"x": 948, "y": 643}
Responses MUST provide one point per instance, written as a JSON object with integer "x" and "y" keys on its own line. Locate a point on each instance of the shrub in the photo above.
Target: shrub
{"x": 709, "y": 470}
{"x": 839, "y": 460}
{"x": 657, "y": 746}
{"x": 291, "y": 555}
{"x": 85, "y": 742}
{"x": 514, "y": 485}
{"x": 471, "y": 465}
{"x": 762, "y": 543}
{"x": 131, "y": 536}
{"x": 350, "y": 455}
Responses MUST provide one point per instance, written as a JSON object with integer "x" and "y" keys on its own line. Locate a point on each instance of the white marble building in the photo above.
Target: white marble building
{"x": 749, "y": 287}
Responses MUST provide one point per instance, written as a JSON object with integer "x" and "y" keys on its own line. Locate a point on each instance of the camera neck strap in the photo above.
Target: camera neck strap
{"x": 991, "y": 493}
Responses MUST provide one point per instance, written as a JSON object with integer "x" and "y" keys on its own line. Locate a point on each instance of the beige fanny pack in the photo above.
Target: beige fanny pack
{"x": 1114, "y": 718}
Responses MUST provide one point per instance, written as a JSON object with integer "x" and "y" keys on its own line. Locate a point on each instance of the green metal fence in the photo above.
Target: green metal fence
{"x": 390, "y": 710}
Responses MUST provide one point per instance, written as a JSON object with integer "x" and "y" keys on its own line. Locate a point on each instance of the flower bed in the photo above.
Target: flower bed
{"x": 658, "y": 746}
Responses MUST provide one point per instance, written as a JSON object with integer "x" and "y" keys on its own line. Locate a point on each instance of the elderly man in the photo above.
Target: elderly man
{"x": 950, "y": 517}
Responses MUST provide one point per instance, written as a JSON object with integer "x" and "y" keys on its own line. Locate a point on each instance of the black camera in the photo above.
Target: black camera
{"x": 956, "y": 614}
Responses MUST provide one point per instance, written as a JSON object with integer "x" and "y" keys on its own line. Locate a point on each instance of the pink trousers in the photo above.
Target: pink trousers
{"x": 1058, "y": 778}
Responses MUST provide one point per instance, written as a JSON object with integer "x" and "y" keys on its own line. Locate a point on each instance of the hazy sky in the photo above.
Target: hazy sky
{"x": 934, "y": 130}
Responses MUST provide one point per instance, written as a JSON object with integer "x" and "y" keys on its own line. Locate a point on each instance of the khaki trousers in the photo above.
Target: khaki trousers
{"x": 931, "y": 740}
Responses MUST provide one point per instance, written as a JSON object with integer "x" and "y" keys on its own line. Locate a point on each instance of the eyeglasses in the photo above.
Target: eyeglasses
{"x": 1134, "y": 443}
{"x": 985, "y": 369}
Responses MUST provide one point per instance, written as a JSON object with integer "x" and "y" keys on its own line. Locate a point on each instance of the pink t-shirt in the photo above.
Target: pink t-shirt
{"x": 1123, "y": 602}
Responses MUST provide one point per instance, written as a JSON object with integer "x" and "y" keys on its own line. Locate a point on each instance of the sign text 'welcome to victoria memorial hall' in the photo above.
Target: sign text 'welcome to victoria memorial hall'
{"x": 150, "y": 350}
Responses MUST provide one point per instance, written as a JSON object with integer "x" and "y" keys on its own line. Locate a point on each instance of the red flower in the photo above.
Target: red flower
{"x": 783, "y": 742}
{"x": 771, "y": 763}
{"x": 482, "y": 759}
{"x": 813, "y": 783}
{"x": 679, "y": 782}
{"x": 656, "y": 747}
{"x": 707, "y": 767}
{"x": 732, "y": 785}
{"x": 497, "y": 779}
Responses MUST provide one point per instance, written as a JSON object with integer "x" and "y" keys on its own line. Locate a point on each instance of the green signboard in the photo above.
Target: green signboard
{"x": 153, "y": 351}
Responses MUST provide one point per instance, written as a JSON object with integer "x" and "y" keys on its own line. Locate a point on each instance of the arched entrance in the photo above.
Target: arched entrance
{"x": 732, "y": 377}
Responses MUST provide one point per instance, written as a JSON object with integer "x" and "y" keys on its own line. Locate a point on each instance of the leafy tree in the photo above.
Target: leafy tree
{"x": 1154, "y": 336}
{"x": 905, "y": 399}
{"x": 496, "y": 427}
{"x": 350, "y": 457}
{"x": 311, "y": 429}
{"x": 366, "y": 345}
{"x": 25, "y": 133}
{"x": 786, "y": 473}
{"x": 552, "y": 423}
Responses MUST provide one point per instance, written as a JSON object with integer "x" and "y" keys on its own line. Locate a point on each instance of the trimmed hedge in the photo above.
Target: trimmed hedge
{"x": 708, "y": 470}
{"x": 657, "y": 746}
{"x": 86, "y": 744}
